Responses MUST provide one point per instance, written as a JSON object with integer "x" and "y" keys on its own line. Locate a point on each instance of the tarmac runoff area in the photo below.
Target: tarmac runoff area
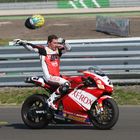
{"x": 67, "y": 11}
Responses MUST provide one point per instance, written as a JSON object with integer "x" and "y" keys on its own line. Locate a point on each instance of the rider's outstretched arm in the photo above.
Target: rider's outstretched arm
{"x": 36, "y": 48}
{"x": 31, "y": 47}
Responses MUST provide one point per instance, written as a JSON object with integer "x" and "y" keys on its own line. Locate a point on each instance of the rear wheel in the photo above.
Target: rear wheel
{"x": 33, "y": 111}
{"x": 107, "y": 118}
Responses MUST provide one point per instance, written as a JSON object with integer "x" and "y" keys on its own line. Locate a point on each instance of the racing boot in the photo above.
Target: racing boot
{"x": 56, "y": 95}
{"x": 52, "y": 100}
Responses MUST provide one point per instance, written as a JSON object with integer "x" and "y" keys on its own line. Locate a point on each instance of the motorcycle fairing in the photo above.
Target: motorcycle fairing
{"x": 82, "y": 98}
{"x": 80, "y": 101}
{"x": 73, "y": 117}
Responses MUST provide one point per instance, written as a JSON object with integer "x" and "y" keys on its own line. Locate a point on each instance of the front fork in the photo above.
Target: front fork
{"x": 99, "y": 105}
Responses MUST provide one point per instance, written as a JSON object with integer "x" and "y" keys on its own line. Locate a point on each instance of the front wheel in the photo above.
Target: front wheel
{"x": 33, "y": 111}
{"x": 107, "y": 118}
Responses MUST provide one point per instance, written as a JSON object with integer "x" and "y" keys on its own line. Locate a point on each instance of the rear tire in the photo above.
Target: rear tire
{"x": 108, "y": 118}
{"x": 28, "y": 111}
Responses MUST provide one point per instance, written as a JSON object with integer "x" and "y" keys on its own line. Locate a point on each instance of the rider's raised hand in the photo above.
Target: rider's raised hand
{"x": 19, "y": 42}
{"x": 66, "y": 46}
{"x": 16, "y": 41}
{"x": 61, "y": 41}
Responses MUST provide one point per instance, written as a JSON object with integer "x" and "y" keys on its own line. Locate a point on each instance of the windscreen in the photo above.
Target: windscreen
{"x": 96, "y": 70}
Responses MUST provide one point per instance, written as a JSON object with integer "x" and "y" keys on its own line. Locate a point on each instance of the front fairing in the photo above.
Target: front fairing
{"x": 102, "y": 80}
{"x": 79, "y": 100}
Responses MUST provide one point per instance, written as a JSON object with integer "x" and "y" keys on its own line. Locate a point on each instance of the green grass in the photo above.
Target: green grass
{"x": 4, "y": 42}
{"x": 16, "y": 96}
{"x": 127, "y": 95}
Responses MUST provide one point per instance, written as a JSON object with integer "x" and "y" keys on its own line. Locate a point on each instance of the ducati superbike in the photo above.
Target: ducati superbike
{"x": 88, "y": 102}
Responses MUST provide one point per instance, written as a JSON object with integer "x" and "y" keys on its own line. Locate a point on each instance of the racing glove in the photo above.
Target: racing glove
{"x": 20, "y": 42}
{"x": 62, "y": 41}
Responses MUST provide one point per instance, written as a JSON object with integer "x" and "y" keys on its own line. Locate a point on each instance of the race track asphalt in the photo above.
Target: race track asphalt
{"x": 127, "y": 128}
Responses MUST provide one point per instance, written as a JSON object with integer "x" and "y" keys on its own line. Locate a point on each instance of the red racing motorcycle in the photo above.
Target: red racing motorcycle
{"x": 88, "y": 102}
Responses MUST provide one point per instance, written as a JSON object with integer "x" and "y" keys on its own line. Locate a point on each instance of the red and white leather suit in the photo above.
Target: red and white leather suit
{"x": 50, "y": 62}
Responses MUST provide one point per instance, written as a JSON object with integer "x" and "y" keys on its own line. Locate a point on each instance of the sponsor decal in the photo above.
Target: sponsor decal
{"x": 55, "y": 78}
{"x": 75, "y": 114}
{"x": 84, "y": 99}
{"x": 55, "y": 64}
{"x": 40, "y": 112}
{"x": 76, "y": 118}
{"x": 100, "y": 85}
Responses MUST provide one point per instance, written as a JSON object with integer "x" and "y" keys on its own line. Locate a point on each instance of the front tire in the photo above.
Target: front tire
{"x": 106, "y": 119}
{"x": 28, "y": 112}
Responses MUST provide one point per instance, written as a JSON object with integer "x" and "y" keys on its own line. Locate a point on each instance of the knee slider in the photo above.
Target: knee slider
{"x": 64, "y": 88}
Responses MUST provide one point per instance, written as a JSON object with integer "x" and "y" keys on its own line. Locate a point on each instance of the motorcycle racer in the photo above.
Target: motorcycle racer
{"x": 88, "y": 102}
{"x": 50, "y": 62}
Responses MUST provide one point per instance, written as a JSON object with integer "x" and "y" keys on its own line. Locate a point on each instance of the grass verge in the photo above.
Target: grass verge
{"x": 127, "y": 95}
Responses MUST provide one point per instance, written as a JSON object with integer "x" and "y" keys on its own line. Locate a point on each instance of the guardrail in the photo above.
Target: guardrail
{"x": 118, "y": 58}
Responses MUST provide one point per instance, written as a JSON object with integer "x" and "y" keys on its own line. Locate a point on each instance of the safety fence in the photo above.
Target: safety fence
{"x": 63, "y": 4}
{"x": 118, "y": 58}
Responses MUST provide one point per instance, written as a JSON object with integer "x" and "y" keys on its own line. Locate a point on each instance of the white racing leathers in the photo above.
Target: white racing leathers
{"x": 50, "y": 62}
